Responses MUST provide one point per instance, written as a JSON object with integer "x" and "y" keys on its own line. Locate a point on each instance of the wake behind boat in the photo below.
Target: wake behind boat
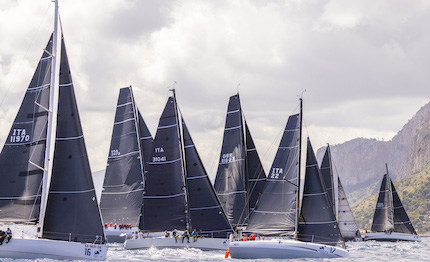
{"x": 46, "y": 177}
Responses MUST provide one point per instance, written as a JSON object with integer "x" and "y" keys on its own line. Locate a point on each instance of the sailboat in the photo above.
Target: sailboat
{"x": 345, "y": 217}
{"x": 293, "y": 232}
{"x": 45, "y": 172}
{"x": 178, "y": 193}
{"x": 131, "y": 145}
{"x": 240, "y": 177}
{"x": 390, "y": 221}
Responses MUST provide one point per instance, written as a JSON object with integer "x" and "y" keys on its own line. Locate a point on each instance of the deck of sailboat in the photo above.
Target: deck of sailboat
{"x": 171, "y": 242}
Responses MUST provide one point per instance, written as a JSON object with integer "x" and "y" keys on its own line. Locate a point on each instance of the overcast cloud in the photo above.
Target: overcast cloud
{"x": 364, "y": 64}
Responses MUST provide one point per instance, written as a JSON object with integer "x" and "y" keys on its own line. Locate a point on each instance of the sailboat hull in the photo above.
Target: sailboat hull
{"x": 53, "y": 249}
{"x": 170, "y": 242}
{"x": 281, "y": 249}
{"x": 393, "y": 236}
{"x": 118, "y": 235}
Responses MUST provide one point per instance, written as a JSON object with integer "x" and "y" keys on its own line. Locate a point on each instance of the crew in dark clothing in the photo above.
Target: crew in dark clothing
{"x": 8, "y": 235}
{"x": 2, "y": 236}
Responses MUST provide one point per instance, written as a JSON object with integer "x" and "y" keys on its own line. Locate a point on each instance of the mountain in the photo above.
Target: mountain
{"x": 360, "y": 162}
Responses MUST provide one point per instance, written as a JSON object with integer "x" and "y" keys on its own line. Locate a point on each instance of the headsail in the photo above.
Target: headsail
{"x": 317, "y": 221}
{"x": 72, "y": 212}
{"x": 402, "y": 223}
{"x": 276, "y": 210}
{"x": 348, "y": 227}
{"x": 23, "y": 155}
{"x": 165, "y": 200}
{"x": 231, "y": 182}
{"x": 383, "y": 219}
{"x": 121, "y": 200}
{"x": 327, "y": 175}
{"x": 205, "y": 209}
{"x": 255, "y": 171}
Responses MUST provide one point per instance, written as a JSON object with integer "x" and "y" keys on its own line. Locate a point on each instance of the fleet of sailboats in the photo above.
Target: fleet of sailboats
{"x": 178, "y": 193}
{"x": 390, "y": 221}
{"x": 46, "y": 176}
{"x": 298, "y": 230}
{"x": 159, "y": 186}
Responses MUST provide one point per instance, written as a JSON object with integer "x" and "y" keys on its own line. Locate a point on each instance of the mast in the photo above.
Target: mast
{"x": 300, "y": 166}
{"x": 52, "y": 119}
{"x": 184, "y": 169}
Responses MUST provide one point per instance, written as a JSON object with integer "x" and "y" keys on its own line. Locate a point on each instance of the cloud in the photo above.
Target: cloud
{"x": 363, "y": 64}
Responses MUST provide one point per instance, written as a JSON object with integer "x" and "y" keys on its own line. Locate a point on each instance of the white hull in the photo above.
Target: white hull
{"x": 54, "y": 249}
{"x": 169, "y": 242}
{"x": 393, "y": 236}
{"x": 118, "y": 235}
{"x": 281, "y": 248}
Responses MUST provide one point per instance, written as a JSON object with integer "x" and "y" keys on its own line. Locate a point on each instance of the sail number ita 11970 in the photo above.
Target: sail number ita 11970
{"x": 19, "y": 135}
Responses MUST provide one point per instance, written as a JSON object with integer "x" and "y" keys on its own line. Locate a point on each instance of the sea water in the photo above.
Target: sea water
{"x": 368, "y": 251}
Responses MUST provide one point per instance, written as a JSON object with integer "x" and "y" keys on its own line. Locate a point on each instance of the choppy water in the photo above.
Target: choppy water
{"x": 359, "y": 251}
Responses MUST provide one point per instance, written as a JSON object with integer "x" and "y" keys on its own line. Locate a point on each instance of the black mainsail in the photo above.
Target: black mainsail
{"x": 122, "y": 195}
{"x": 317, "y": 221}
{"x": 240, "y": 176}
{"x": 205, "y": 209}
{"x": 165, "y": 198}
{"x": 383, "y": 219}
{"x": 231, "y": 180}
{"x": 72, "y": 212}
{"x": 23, "y": 155}
{"x": 276, "y": 210}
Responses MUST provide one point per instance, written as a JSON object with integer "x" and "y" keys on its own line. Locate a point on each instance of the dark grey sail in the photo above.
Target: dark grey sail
{"x": 276, "y": 210}
{"x": 256, "y": 175}
{"x": 206, "y": 212}
{"x": 347, "y": 226}
{"x": 327, "y": 175}
{"x": 145, "y": 141}
{"x": 121, "y": 199}
{"x": 383, "y": 219}
{"x": 402, "y": 223}
{"x": 317, "y": 221}
{"x": 231, "y": 181}
{"x": 164, "y": 206}
{"x": 22, "y": 157}
{"x": 72, "y": 212}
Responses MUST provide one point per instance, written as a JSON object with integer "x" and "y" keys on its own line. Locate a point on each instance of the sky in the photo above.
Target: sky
{"x": 362, "y": 67}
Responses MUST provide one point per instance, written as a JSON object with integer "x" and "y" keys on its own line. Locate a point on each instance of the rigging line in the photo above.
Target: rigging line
{"x": 25, "y": 55}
